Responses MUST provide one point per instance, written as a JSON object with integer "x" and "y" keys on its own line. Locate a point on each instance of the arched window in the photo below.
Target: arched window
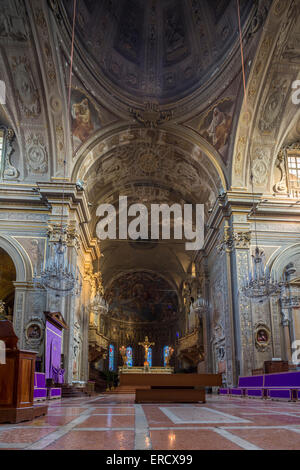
{"x": 149, "y": 357}
{"x": 166, "y": 352}
{"x": 111, "y": 357}
{"x": 129, "y": 356}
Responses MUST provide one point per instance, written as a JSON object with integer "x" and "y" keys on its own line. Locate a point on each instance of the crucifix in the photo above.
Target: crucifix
{"x": 146, "y": 345}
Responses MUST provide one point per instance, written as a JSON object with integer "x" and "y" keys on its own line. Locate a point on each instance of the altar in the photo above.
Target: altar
{"x": 145, "y": 370}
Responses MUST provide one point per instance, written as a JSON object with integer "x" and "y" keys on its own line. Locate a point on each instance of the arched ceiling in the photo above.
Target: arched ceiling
{"x": 156, "y": 50}
{"x": 150, "y": 167}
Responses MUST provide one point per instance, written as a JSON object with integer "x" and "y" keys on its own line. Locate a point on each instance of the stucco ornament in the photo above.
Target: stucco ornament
{"x": 37, "y": 156}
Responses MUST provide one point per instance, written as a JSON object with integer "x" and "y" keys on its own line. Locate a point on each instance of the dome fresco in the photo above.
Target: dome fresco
{"x": 161, "y": 50}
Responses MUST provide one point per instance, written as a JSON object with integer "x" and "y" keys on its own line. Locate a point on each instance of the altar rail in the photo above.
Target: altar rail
{"x": 284, "y": 385}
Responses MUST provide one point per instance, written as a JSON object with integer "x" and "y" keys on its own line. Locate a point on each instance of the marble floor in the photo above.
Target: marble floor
{"x": 114, "y": 422}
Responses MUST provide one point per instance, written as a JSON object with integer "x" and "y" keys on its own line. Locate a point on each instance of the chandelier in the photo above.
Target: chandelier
{"x": 260, "y": 285}
{"x": 59, "y": 276}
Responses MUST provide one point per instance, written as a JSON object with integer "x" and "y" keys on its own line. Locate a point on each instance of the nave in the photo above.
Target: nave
{"x": 114, "y": 422}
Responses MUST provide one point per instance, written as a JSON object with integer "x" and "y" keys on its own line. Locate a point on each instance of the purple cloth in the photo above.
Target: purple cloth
{"x": 39, "y": 379}
{"x": 251, "y": 381}
{"x": 275, "y": 393}
{"x": 255, "y": 392}
{"x": 58, "y": 375}
{"x": 236, "y": 391}
{"x": 39, "y": 393}
{"x": 54, "y": 393}
{"x": 53, "y": 350}
{"x": 284, "y": 379}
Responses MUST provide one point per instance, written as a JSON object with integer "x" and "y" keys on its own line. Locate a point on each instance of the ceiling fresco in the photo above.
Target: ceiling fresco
{"x": 162, "y": 50}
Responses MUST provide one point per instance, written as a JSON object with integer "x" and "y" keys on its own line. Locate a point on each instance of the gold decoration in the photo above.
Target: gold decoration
{"x": 146, "y": 345}
{"x": 151, "y": 116}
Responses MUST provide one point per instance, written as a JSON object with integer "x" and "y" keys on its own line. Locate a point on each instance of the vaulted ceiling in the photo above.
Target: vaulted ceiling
{"x": 157, "y": 49}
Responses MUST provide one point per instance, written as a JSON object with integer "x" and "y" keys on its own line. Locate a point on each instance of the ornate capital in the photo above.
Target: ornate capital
{"x": 69, "y": 235}
{"x": 233, "y": 240}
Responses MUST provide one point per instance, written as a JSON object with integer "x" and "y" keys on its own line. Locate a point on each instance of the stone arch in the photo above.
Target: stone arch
{"x": 19, "y": 257}
{"x": 98, "y": 145}
{"x": 22, "y": 283}
{"x": 281, "y": 258}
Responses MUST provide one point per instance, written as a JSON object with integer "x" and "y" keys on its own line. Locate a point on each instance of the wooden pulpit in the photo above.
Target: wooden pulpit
{"x": 17, "y": 380}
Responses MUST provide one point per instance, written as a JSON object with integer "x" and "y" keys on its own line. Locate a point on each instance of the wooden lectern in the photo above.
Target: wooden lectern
{"x": 17, "y": 380}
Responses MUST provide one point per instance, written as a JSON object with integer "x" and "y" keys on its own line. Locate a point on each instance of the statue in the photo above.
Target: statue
{"x": 168, "y": 356}
{"x": 146, "y": 344}
{"x": 124, "y": 355}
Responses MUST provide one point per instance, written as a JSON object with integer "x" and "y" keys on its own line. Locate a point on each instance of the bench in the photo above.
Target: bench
{"x": 283, "y": 385}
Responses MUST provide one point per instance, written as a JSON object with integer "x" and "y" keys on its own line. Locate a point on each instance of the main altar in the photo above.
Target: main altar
{"x": 145, "y": 370}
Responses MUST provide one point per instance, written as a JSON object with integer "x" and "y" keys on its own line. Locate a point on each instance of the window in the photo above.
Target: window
{"x": 129, "y": 356}
{"x": 111, "y": 357}
{"x": 149, "y": 357}
{"x": 166, "y": 353}
{"x": 294, "y": 171}
{"x": 292, "y": 161}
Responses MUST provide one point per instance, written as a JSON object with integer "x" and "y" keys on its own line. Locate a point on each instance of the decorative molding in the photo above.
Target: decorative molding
{"x": 151, "y": 116}
{"x": 233, "y": 240}
{"x": 262, "y": 336}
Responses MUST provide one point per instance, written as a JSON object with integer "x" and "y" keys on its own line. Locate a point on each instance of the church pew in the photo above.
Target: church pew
{"x": 283, "y": 385}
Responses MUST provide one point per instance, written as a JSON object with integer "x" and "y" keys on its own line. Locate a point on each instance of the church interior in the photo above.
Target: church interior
{"x": 127, "y": 343}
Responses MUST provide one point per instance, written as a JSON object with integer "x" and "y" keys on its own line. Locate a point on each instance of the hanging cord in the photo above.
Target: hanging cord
{"x": 68, "y": 110}
{"x": 247, "y": 116}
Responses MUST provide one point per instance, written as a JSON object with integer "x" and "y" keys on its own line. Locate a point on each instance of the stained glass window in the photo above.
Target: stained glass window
{"x": 111, "y": 357}
{"x": 129, "y": 356}
{"x": 166, "y": 353}
{"x": 149, "y": 357}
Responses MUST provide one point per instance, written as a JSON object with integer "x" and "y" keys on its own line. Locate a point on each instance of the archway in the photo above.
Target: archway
{"x": 7, "y": 288}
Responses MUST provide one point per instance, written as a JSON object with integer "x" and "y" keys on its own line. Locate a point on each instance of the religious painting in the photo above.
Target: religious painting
{"x": 85, "y": 118}
{"x": 34, "y": 332}
{"x": 262, "y": 336}
{"x": 215, "y": 125}
{"x": 142, "y": 297}
{"x": 176, "y": 46}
